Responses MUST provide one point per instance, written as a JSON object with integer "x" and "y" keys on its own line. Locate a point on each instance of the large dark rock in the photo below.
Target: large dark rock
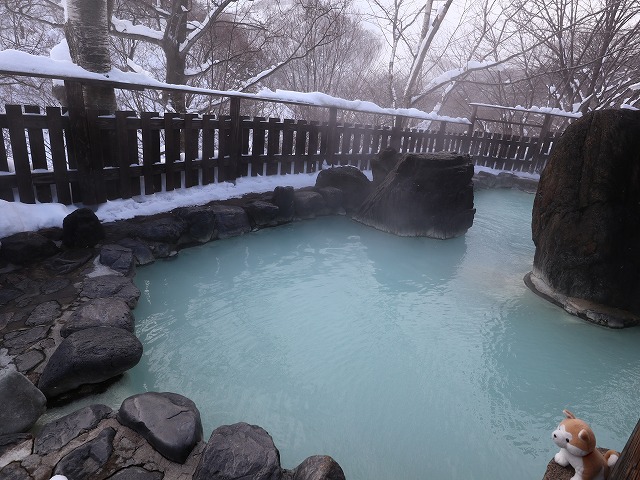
{"x": 89, "y": 356}
{"x": 88, "y": 459}
{"x": 27, "y": 247}
{"x": 165, "y": 229}
{"x": 239, "y": 451}
{"x": 426, "y": 195}
{"x": 44, "y": 314}
{"x": 283, "y": 198}
{"x": 141, "y": 251}
{"x": 201, "y": 224}
{"x": 100, "y": 312}
{"x": 231, "y": 221}
{"x": 81, "y": 228}
{"x": 586, "y": 217}
{"x": 22, "y": 403}
{"x": 318, "y": 467}
{"x": 69, "y": 260}
{"x": 354, "y": 184}
{"x": 168, "y": 421}
{"x": 55, "y": 435}
{"x": 383, "y": 163}
{"x": 309, "y": 204}
{"x": 262, "y": 214}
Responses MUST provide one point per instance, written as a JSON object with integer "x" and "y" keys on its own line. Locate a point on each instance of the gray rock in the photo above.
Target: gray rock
{"x": 141, "y": 251}
{"x": 8, "y": 294}
{"x": 318, "y": 467}
{"x": 230, "y": 221}
{"x": 425, "y": 195}
{"x": 100, "y": 312}
{"x": 89, "y": 458}
{"x": 383, "y": 163}
{"x": 136, "y": 473}
{"x": 81, "y": 229}
{"x": 309, "y": 204}
{"x": 69, "y": 260}
{"x": 168, "y": 421}
{"x": 22, "y": 403}
{"x": 118, "y": 258}
{"x": 111, "y": 286}
{"x": 54, "y": 285}
{"x": 334, "y": 199}
{"x": 26, "y": 248}
{"x": 239, "y": 451}
{"x": 14, "y": 471}
{"x": 55, "y": 435}
{"x": 201, "y": 224}
{"x": 22, "y": 339}
{"x": 28, "y": 360}
{"x": 283, "y": 198}
{"x": 354, "y": 184}
{"x": 262, "y": 214}
{"x": 44, "y": 314}
{"x": 89, "y": 356}
{"x": 14, "y": 446}
{"x": 163, "y": 229}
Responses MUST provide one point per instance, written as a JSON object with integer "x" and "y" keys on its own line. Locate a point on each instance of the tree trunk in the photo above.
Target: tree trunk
{"x": 87, "y": 33}
{"x": 174, "y": 35}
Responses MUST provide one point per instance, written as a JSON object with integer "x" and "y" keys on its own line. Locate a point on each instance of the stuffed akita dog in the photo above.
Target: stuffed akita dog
{"x": 578, "y": 448}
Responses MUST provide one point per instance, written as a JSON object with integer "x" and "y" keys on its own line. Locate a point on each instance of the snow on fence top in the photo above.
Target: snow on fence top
{"x": 14, "y": 62}
{"x": 542, "y": 110}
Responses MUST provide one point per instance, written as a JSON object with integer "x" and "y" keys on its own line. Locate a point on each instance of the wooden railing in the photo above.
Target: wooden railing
{"x": 83, "y": 156}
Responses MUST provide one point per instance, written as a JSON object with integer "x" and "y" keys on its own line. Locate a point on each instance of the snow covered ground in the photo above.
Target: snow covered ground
{"x": 22, "y": 217}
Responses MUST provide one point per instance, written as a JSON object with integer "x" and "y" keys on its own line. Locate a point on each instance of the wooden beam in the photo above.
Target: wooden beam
{"x": 628, "y": 465}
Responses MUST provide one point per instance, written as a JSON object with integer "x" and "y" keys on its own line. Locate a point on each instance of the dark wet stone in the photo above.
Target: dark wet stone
{"x": 318, "y": 467}
{"x": 69, "y": 260}
{"x": 136, "y": 473}
{"x": 162, "y": 250}
{"x": 283, "y": 198}
{"x": 8, "y": 294}
{"x": 14, "y": 471}
{"x": 118, "y": 258}
{"x": 100, "y": 312}
{"x": 22, "y": 339}
{"x": 262, "y": 214}
{"x": 309, "y": 204}
{"x": 168, "y": 421}
{"x": 239, "y": 451}
{"x": 201, "y": 224}
{"x": 12, "y": 441}
{"x": 163, "y": 229}
{"x": 354, "y": 184}
{"x": 108, "y": 286}
{"x": 383, "y": 163}
{"x": 28, "y": 360}
{"x": 27, "y": 248}
{"x": 54, "y": 285}
{"x": 425, "y": 195}
{"x": 89, "y": 458}
{"x": 55, "y": 435}
{"x": 44, "y": 314}
{"x": 22, "y": 403}
{"x": 230, "y": 221}
{"x": 333, "y": 198}
{"x": 141, "y": 251}
{"x": 81, "y": 229}
{"x": 89, "y": 356}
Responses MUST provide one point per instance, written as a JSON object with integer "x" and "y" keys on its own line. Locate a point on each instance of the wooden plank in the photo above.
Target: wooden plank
{"x": 6, "y": 191}
{"x": 300, "y": 146}
{"x": 122, "y": 154}
{"x": 96, "y": 159}
{"x": 149, "y": 157}
{"x": 273, "y": 146}
{"x": 313, "y": 153}
{"x": 37, "y": 150}
{"x": 190, "y": 151}
{"x": 628, "y": 465}
{"x": 208, "y": 160}
{"x": 58, "y": 156}
{"x": 20, "y": 153}
{"x": 287, "y": 145}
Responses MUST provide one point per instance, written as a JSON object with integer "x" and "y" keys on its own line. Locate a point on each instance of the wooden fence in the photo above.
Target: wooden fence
{"x": 82, "y": 156}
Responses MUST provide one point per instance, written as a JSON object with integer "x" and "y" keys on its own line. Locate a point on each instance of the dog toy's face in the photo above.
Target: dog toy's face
{"x": 574, "y": 435}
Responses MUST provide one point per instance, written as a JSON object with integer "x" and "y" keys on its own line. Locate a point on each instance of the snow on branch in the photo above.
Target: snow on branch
{"x": 126, "y": 27}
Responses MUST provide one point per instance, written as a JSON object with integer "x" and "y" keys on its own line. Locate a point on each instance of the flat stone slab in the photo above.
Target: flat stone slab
{"x": 168, "y": 421}
{"x": 109, "y": 286}
{"x": 22, "y": 403}
{"x": 89, "y": 458}
{"x": 100, "y": 312}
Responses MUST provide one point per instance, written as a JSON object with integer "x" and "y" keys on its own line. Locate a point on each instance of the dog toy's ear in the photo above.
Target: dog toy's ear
{"x": 584, "y": 435}
{"x": 568, "y": 414}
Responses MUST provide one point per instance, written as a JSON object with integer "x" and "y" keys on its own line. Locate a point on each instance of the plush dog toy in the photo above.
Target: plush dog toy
{"x": 578, "y": 448}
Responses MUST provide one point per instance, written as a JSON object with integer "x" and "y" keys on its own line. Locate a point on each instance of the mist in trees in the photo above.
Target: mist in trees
{"x": 438, "y": 55}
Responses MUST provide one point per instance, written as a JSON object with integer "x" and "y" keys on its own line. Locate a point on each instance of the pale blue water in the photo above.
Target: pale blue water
{"x": 402, "y": 358}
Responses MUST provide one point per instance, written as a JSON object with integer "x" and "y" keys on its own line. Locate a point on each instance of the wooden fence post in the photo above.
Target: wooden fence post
{"x": 79, "y": 132}
{"x": 235, "y": 138}
{"x": 332, "y": 135}
{"x": 440, "y": 138}
{"x": 466, "y": 144}
{"x": 20, "y": 153}
{"x": 396, "y": 133}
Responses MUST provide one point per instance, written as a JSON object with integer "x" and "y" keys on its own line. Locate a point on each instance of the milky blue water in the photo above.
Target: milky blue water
{"x": 402, "y": 358}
